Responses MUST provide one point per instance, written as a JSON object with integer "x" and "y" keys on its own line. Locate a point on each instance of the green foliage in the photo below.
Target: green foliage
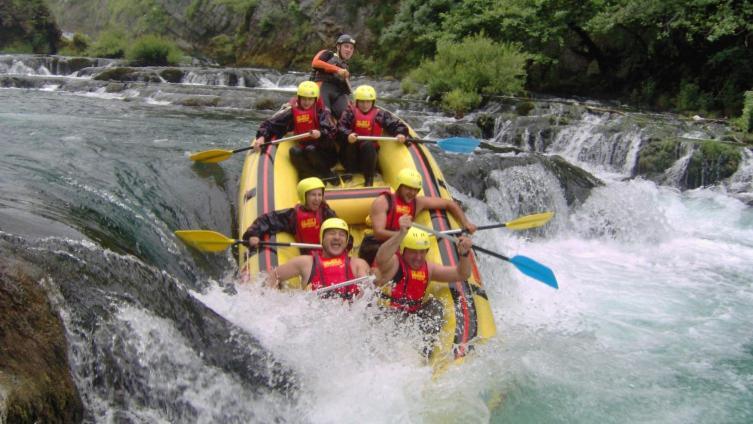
{"x": 408, "y": 85}
{"x": 77, "y": 46}
{"x": 28, "y": 27}
{"x": 222, "y": 49}
{"x": 460, "y": 102}
{"x": 111, "y": 44}
{"x": 152, "y": 50}
{"x": 711, "y": 163}
{"x": 691, "y": 98}
{"x": 745, "y": 121}
{"x": 462, "y": 71}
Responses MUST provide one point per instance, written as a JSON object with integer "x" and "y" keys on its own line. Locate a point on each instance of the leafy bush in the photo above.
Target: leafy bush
{"x": 462, "y": 71}
{"x": 691, "y": 98}
{"x": 76, "y": 46}
{"x": 459, "y": 102}
{"x": 745, "y": 121}
{"x": 111, "y": 44}
{"x": 151, "y": 50}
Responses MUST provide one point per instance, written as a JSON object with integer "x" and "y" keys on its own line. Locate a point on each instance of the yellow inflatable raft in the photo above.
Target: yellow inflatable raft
{"x": 268, "y": 183}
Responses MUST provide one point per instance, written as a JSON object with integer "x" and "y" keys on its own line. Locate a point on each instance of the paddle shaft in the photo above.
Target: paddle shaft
{"x": 268, "y": 143}
{"x": 380, "y": 138}
{"x": 345, "y": 284}
{"x": 281, "y": 244}
{"x": 480, "y": 227}
{"x": 453, "y": 239}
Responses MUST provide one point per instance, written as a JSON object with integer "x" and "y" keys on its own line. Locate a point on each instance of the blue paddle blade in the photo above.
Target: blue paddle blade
{"x": 534, "y": 270}
{"x": 458, "y": 144}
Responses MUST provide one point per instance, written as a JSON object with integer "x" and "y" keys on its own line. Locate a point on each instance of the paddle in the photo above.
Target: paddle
{"x": 522, "y": 223}
{"x": 212, "y": 241}
{"x": 218, "y": 155}
{"x": 524, "y": 264}
{"x": 366, "y": 278}
{"x": 452, "y": 144}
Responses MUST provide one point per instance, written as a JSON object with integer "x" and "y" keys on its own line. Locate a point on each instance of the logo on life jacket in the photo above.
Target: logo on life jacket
{"x": 417, "y": 275}
{"x": 363, "y": 123}
{"x": 308, "y": 223}
{"x": 327, "y": 263}
{"x": 302, "y": 118}
{"x": 402, "y": 210}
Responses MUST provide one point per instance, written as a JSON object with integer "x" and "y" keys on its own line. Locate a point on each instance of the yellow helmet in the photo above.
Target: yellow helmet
{"x": 365, "y": 92}
{"x": 416, "y": 239}
{"x": 331, "y": 223}
{"x": 306, "y": 185}
{"x": 408, "y": 177}
{"x": 308, "y": 89}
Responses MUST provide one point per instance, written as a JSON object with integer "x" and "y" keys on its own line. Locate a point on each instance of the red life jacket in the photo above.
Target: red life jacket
{"x": 396, "y": 208}
{"x": 328, "y": 271}
{"x": 307, "y": 224}
{"x": 409, "y": 286}
{"x": 365, "y": 123}
{"x": 304, "y": 120}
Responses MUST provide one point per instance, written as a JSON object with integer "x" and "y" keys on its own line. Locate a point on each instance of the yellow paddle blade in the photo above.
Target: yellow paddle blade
{"x": 529, "y": 221}
{"x": 211, "y": 156}
{"x": 205, "y": 240}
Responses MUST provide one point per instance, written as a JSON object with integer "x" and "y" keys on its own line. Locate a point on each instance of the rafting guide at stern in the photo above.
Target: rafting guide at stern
{"x": 330, "y": 71}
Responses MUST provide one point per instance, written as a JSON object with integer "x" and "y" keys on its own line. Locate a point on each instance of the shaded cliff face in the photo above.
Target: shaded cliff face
{"x": 244, "y": 32}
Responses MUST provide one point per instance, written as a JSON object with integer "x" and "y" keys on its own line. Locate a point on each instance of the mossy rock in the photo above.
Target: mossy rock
{"x": 172, "y": 75}
{"x": 79, "y": 63}
{"x": 118, "y": 74}
{"x": 711, "y": 163}
{"x": 524, "y": 108}
{"x": 658, "y": 156}
{"x": 486, "y": 123}
{"x": 200, "y": 101}
{"x": 35, "y": 379}
{"x": 266, "y": 103}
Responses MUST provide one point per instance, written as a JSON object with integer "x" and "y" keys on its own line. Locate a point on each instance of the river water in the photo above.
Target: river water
{"x": 651, "y": 322}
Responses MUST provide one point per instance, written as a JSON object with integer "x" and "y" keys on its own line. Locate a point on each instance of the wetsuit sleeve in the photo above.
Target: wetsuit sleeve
{"x": 326, "y": 124}
{"x": 320, "y": 62}
{"x": 277, "y": 126}
{"x": 272, "y": 223}
{"x": 345, "y": 126}
{"x": 391, "y": 124}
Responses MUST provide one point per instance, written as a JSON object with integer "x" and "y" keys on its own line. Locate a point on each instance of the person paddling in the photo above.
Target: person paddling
{"x": 387, "y": 209}
{"x": 330, "y": 71}
{"x": 330, "y": 266}
{"x": 304, "y": 220}
{"x": 366, "y": 120}
{"x": 315, "y": 155}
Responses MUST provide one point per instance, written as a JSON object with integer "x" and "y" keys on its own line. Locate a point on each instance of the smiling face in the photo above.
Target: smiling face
{"x": 346, "y": 51}
{"x": 334, "y": 242}
{"x": 414, "y": 258}
{"x": 407, "y": 193}
{"x": 306, "y": 102}
{"x": 314, "y": 198}
{"x": 364, "y": 105}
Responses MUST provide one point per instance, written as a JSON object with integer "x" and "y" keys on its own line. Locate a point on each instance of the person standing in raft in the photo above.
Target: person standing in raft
{"x": 387, "y": 209}
{"x": 304, "y": 220}
{"x": 315, "y": 155}
{"x": 366, "y": 120}
{"x": 330, "y": 71}
{"x": 330, "y": 266}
